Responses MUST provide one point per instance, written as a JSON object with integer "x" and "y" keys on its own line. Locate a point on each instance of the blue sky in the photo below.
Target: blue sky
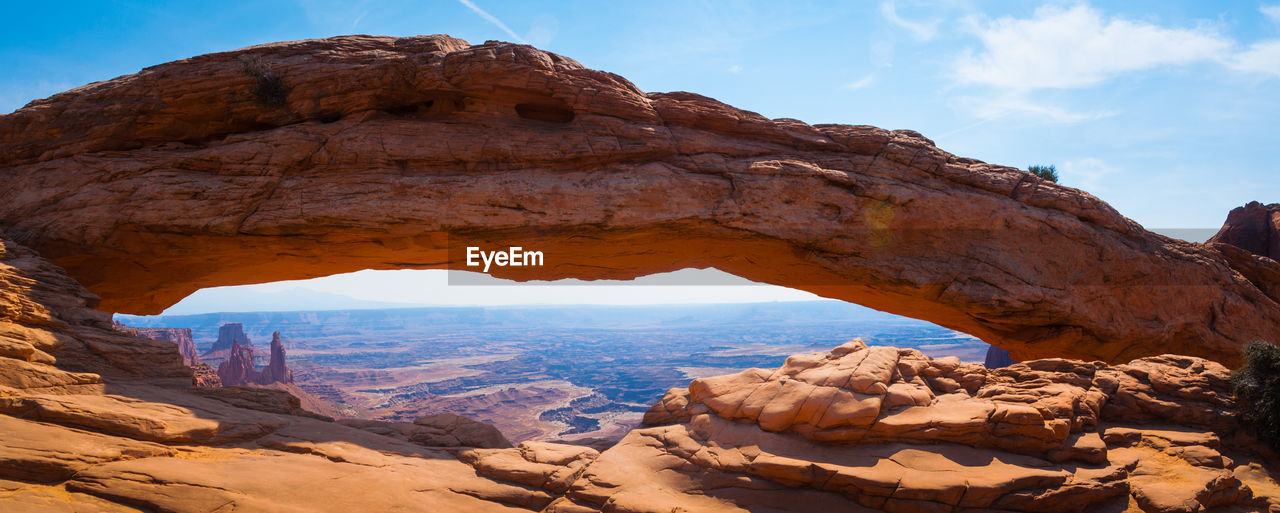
{"x": 1167, "y": 110}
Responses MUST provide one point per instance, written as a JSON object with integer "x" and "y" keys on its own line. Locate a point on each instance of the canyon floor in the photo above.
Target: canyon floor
{"x": 549, "y": 373}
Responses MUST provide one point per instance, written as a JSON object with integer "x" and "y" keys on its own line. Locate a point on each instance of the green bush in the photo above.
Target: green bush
{"x": 1257, "y": 388}
{"x": 1049, "y": 172}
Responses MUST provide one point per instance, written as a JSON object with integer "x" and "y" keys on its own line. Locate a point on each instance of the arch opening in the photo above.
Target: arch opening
{"x": 561, "y": 360}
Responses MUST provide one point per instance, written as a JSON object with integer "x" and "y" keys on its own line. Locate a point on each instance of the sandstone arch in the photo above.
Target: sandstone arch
{"x": 384, "y": 153}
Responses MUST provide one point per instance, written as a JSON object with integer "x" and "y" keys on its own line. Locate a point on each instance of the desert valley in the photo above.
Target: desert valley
{"x": 544, "y": 373}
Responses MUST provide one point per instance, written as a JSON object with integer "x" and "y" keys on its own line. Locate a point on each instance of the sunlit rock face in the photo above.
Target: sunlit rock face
{"x": 94, "y": 419}
{"x": 309, "y": 158}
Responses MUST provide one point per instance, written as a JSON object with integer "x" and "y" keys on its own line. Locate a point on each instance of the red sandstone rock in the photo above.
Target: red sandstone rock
{"x": 397, "y": 153}
{"x": 1255, "y": 228}
{"x": 277, "y": 371}
{"x": 238, "y": 368}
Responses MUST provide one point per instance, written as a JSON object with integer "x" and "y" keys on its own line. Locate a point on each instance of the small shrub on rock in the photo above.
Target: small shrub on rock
{"x": 1257, "y": 388}
{"x": 1049, "y": 172}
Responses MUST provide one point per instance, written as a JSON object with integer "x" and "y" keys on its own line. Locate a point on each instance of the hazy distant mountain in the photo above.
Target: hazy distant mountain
{"x": 291, "y": 300}
{"x": 303, "y": 324}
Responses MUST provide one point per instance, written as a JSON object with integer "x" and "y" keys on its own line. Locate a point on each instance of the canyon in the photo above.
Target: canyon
{"x": 128, "y": 194}
{"x": 547, "y": 372}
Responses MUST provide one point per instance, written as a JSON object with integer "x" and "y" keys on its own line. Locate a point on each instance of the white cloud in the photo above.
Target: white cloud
{"x": 1077, "y": 47}
{"x": 1262, "y": 57}
{"x": 1086, "y": 173}
{"x": 735, "y": 69}
{"x": 860, "y": 83}
{"x": 1016, "y": 104}
{"x": 493, "y": 19}
{"x": 921, "y": 30}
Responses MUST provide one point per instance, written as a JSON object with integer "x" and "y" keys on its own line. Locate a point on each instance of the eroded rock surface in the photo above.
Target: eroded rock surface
{"x": 885, "y": 429}
{"x": 390, "y": 153}
{"x": 96, "y": 420}
{"x": 856, "y": 429}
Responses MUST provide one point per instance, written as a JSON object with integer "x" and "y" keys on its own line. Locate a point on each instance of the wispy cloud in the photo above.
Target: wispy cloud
{"x": 1271, "y": 11}
{"x": 1086, "y": 173}
{"x": 921, "y": 30}
{"x": 1077, "y": 47}
{"x": 1019, "y": 104}
{"x": 735, "y": 69}
{"x": 1262, "y": 57}
{"x": 493, "y": 19}
{"x": 860, "y": 83}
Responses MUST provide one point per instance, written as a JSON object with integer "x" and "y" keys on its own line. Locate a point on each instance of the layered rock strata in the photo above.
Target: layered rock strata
{"x": 387, "y": 153}
{"x": 96, "y": 420}
{"x": 180, "y": 336}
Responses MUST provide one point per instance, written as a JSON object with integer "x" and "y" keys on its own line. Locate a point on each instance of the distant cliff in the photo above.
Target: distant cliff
{"x": 180, "y": 336}
{"x": 228, "y": 334}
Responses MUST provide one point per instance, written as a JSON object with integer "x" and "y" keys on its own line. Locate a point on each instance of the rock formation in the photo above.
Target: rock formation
{"x": 277, "y": 371}
{"x": 228, "y": 334}
{"x": 238, "y": 368}
{"x": 885, "y": 429}
{"x": 391, "y": 153}
{"x": 97, "y": 420}
{"x": 180, "y": 336}
{"x": 1254, "y": 228}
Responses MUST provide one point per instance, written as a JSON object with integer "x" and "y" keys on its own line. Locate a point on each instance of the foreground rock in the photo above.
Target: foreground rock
{"x": 97, "y": 420}
{"x": 856, "y": 429}
{"x": 302, "y": 159}
{"x": 886, "y": 429}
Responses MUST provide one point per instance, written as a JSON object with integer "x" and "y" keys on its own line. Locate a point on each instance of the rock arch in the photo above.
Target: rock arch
{"x": 375, "y": 152}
